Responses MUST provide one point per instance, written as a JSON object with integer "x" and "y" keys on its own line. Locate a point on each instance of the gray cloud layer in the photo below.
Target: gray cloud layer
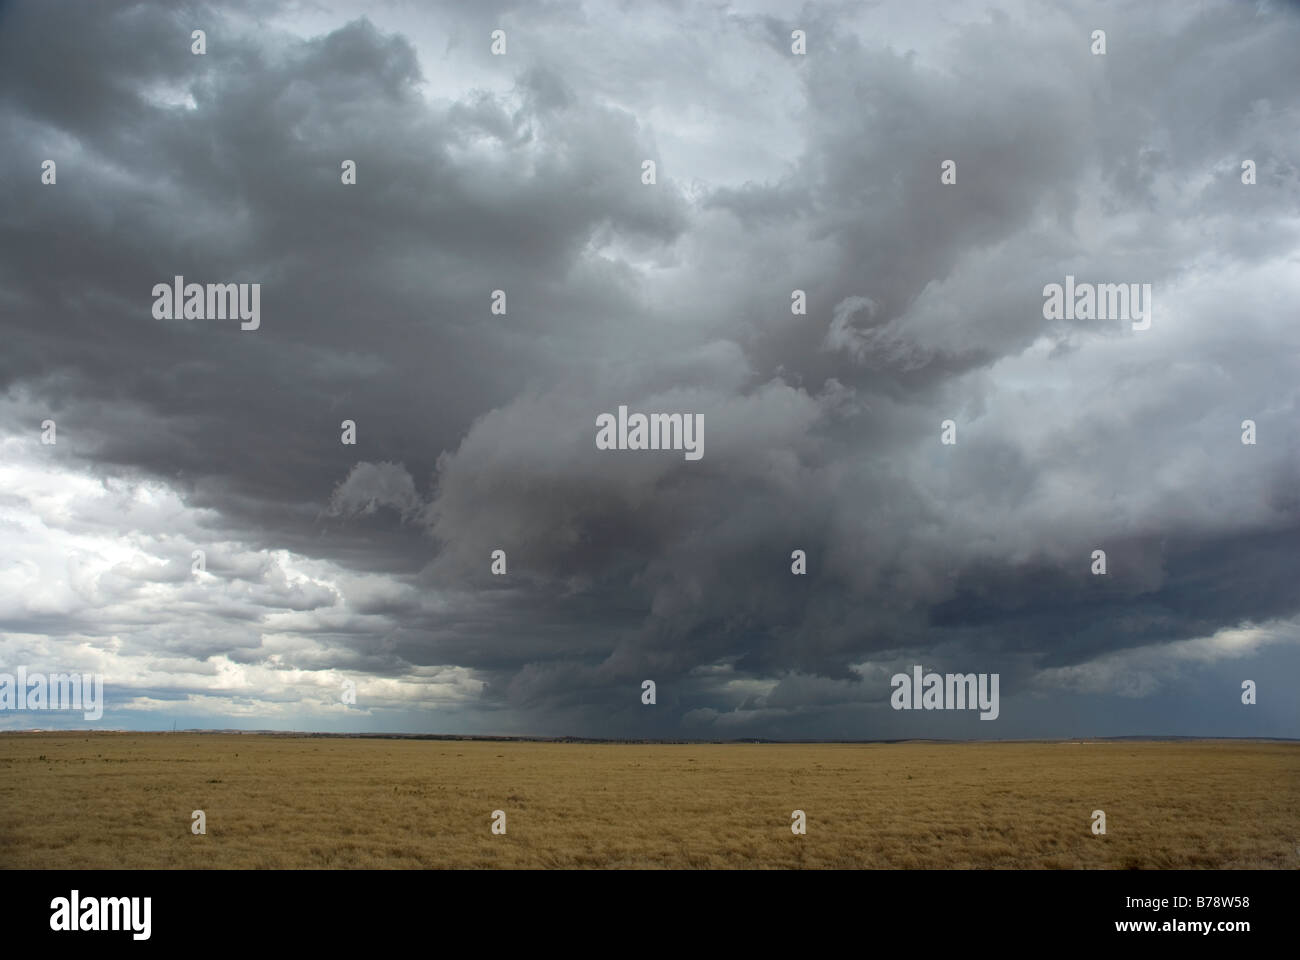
{"x": 476, "y": 431}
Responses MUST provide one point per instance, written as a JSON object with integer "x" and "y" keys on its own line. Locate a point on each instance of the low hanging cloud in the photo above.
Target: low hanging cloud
{"x": 373, "y": 485}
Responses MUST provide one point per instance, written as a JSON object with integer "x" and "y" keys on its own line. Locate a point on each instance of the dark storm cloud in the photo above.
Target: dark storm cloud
{"x": 475, "y": 431}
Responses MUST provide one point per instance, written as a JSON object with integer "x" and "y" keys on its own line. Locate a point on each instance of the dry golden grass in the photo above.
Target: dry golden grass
{"x": 124, "y": 800}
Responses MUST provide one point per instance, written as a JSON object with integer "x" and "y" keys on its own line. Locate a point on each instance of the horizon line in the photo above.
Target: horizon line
{"x": 529, "y": 738}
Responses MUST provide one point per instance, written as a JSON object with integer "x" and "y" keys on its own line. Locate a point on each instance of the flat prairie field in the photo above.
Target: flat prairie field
{"x": 124, "y": 800}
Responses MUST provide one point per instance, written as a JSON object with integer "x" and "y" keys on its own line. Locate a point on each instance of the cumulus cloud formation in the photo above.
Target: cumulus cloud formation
{"x": 371, "y": 562}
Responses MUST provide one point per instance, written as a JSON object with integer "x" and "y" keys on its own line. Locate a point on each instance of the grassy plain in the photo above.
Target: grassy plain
{"x": 97, "y": 800}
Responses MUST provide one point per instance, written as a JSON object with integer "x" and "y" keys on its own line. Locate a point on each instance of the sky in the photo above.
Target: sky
{"x": 336, "y": 572}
